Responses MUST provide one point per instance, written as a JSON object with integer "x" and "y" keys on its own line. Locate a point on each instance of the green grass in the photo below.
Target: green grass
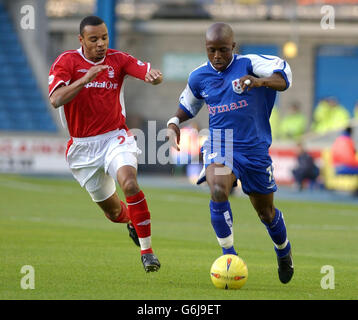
{"x": 53, "y": 226}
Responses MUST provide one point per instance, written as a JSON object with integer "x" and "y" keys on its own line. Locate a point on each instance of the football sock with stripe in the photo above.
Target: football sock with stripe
{"x": 140, "y": 217}
{"x": 221, "y": 220}
{"x": 277, "y": 231}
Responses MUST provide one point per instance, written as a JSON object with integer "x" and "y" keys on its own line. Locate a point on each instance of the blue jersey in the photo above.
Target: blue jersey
{"x": 246, "y": 113}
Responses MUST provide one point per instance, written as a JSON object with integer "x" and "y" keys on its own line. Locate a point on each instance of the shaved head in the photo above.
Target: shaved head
{"x": 219, "y": 31}
{"x": 220, "y": 45}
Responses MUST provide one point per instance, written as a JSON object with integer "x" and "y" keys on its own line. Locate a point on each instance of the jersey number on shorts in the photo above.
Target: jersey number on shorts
{"x": 270, "y": 172}
{"x": 121, "y": 139}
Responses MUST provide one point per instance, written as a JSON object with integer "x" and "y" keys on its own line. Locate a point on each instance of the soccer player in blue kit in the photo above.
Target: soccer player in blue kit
{"x": 240, "y": 134}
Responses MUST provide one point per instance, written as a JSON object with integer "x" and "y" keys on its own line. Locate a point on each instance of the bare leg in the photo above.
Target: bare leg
{"x": 220, "y": 184}
{"x": 113, "y": 208}
{"x": 263, "y": 204}
{"x": 127, "y": 179}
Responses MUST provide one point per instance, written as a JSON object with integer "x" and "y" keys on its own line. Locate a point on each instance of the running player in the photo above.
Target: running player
{"x": 88, "y": 83}
{"x": 239, "y": 92}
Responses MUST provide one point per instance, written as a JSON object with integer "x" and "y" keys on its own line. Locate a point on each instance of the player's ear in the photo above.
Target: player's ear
{"x": 233, "y": 46}
{"x": 80, "y": 38}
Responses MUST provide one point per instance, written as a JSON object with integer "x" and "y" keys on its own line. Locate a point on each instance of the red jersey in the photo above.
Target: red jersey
{"x": 99, "y": 106}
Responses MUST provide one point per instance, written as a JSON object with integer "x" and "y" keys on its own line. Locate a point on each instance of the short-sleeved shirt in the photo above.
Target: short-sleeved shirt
{"x": 99, "y": 107}
{"x": 246, "y": 113}
{"x": 240, "y": 133}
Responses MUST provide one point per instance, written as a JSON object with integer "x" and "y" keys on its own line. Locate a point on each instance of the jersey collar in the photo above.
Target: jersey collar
{"x": 228, "y": 66}
{"x": 80, "y": 51}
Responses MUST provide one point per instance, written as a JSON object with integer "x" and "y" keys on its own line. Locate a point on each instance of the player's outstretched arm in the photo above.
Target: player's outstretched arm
{"x": 173, "y": 131}
{"x": 275, "y": 82}
{"x": 154, "y": 76}
{"x": 65, "y": 94}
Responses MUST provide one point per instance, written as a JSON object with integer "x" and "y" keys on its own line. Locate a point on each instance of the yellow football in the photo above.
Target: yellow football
{"x": 229, "y": 272}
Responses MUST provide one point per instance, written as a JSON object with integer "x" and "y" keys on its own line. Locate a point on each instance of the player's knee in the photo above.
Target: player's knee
{"x": 266, "y": 214}
{"x": 218, "y": 193}
{"x": 130, "y": 187}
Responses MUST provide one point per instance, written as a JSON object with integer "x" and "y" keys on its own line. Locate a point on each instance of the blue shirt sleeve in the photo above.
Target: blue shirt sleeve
{"x": 190, "y": 99}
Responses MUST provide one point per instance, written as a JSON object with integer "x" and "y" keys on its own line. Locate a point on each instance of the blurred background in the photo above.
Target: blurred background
{"x": 318, "y": 38}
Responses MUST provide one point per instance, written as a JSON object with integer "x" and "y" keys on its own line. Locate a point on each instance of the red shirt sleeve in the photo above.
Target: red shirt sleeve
{"x": 135, "y": 67}
{"x": 60, "y": 73}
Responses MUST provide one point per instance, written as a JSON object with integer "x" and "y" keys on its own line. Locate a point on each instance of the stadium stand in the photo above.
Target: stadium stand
{"x": 22, "y": 106}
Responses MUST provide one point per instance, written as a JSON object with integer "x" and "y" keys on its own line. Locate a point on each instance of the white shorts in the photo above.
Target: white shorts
{"x": 94, "y": 161}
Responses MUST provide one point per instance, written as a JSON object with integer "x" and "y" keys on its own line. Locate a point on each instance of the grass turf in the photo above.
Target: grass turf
{"x": 52, "y": 225}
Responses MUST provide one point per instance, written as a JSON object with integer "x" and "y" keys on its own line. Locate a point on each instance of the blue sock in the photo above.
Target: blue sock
{"x": 278, "y": 234}
{"x": 221, "y": 220}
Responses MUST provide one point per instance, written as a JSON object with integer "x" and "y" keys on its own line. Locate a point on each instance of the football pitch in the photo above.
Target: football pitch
{"x": 76, "y": 253}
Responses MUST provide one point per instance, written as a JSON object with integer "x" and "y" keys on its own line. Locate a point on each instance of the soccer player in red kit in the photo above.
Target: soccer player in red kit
{"x": 88, "y": 83}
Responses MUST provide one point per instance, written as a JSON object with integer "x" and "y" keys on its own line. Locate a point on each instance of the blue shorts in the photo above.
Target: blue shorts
{"x": 253, "y": 169}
